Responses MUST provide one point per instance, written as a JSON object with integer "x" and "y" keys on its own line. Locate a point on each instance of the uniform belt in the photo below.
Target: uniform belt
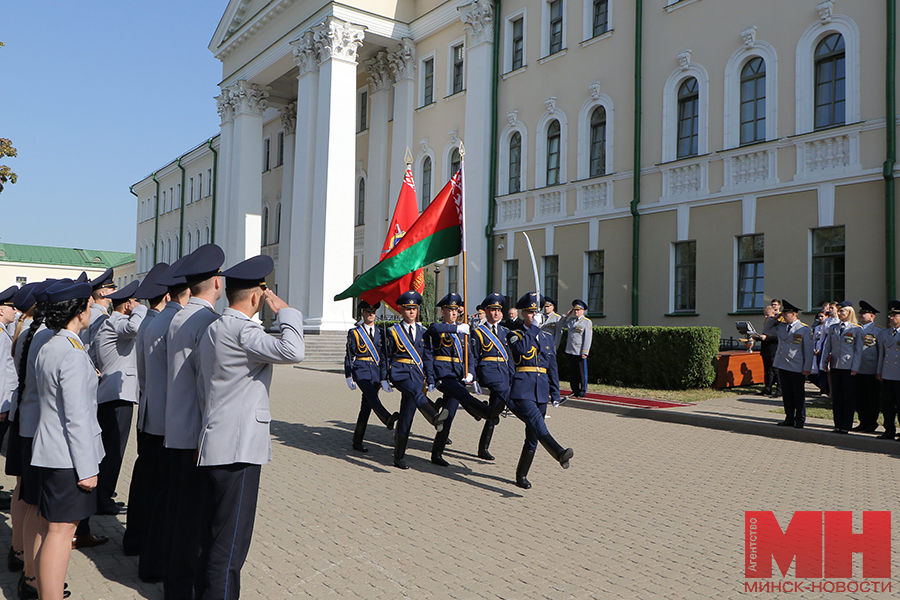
{"x": 405, "y": 361}
{"x": 365, "y": 358}
{"x": 446, "y": 359}
{"x": 531, "y": 370}
{"x": 493, "y": 359}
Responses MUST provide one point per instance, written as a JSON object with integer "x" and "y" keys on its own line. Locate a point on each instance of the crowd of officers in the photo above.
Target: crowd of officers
{"x": 848, "y": 355}
{"x": 515, "y": 363}
{"x": 81, "y": 355}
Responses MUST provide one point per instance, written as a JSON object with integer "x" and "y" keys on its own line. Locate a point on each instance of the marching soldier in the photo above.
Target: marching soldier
{"x": 365, "y": 366}
{"x": 793, "y": 360}
{"x": 841, "y": 357}
{"x": 578, "y": 345}
{"x": 493, "y": 365}
{"x": 868, "y": 388}
{"x": 405, "y": 348}
{"x": 888, "y": 371}
{"x": 535, "y": 383}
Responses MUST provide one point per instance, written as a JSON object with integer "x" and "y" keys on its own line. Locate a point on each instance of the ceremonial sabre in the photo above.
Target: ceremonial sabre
{"x": 539, "y": 318}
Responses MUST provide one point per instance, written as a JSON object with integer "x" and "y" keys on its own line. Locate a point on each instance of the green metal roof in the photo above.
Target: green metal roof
{"x": 75, "y": 257}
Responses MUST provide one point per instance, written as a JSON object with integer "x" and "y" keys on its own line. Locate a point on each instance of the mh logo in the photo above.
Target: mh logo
{"x": 822, "y": 543}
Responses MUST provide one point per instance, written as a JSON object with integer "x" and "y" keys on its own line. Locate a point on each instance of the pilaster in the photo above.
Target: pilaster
{"x": 289, "y": 124}
{"x": 380, "y": 82}
{"x": 223, "y": 177}
{"x": 402, "y": 62}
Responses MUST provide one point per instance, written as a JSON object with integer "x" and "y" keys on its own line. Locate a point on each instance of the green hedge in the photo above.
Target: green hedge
{"x": 670, "y": 358}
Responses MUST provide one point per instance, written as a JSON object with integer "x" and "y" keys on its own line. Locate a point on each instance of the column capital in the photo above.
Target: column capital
{"x": 249, "y": 98}
{"x": 337, "y": 39}
{"x": 289, "y": 118}
{"x": 478, "y": 17}
{"x": 403, "y": 60}
{"x": 305, "y": 55}
{"x": 224, "y": 106}
{"x": 379, "y": 71}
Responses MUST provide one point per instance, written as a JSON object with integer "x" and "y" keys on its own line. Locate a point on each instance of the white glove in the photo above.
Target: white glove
{"x": 477, "y": 388}
{"x": 350, "y": 383}
{"x": 538, "y": 319}
{"x": 386, "y": 387}
{"x": 430, "y": 387}
{"x": 469, "y": 378}
{"x": 462, "y": 328}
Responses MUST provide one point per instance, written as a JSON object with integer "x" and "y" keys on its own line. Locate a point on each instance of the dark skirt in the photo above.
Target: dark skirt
{"x": 14, "y": 451}
{"x": 61, "y": 500}
{"x": 30, "y": 490}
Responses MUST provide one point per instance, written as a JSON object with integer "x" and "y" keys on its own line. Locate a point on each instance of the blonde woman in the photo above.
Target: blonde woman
{"x": 841, "y": 356}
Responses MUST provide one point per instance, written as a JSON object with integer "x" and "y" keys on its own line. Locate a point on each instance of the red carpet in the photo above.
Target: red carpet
{"x": 625, "y": 401}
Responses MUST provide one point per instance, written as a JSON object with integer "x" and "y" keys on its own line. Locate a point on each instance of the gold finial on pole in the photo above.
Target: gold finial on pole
{"x": 462, "y": 149}
{"x": 409, "y": 157}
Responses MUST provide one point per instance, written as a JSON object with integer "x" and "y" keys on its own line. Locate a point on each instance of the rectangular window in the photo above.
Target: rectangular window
{"x": 751, "y": 254}
{"x": 21, "y": 280}
{"x": 280, "y": 149}
{"x": 267, "y": 153}
{"x": 363, "y": 112}
{"x": 518, "y": 43}
{"x": 428, "y": 82}
{"x": 556, "y": 26}
{"x": 199, "y": 186}
{"x": 512, "y": 281}
{"x": 551, "y": 276}
{"x": 209, "y": 182}
{"x": 176, "y": 200}
{"x": 685, "y": 276}
{"x": 190, "y": 190}
{"x": 162, "y": 205}
{"x": 452, "y": 279}
{"x": 595, "y": 281}
{"x": 827, "y": 264}
{"x": 600, "y": 23}
{"x": 457, "y": 69}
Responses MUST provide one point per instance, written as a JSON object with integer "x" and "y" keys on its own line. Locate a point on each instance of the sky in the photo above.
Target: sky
{"x": 95, "y": 96}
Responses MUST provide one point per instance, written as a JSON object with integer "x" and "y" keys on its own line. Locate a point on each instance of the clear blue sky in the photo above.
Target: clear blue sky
{"x": 95, "y": 96}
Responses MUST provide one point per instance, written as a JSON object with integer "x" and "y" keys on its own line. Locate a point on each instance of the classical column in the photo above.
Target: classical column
{"x": 380, "y": 82}
{"x": 243, "y": 220}
{"x": 223, "y": 177}
{"x": 403, "y": 66}
{"x": 300, "y": 221}
{"x": 478, "y": 18}
{"x": 331, "y": 269}
{"x": 289, "y": 124}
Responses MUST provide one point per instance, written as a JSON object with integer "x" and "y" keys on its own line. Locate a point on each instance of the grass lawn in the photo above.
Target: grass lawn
{"x": 683, "y": 396}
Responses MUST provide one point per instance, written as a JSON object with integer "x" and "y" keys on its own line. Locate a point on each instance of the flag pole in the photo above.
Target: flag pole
{"x": 462, "y": 173}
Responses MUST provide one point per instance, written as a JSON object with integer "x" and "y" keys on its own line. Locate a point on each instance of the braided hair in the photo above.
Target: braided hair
{"x": 36, "y": 322}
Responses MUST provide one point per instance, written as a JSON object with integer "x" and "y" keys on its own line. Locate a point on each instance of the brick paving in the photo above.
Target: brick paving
{"x": 649, "y": 509}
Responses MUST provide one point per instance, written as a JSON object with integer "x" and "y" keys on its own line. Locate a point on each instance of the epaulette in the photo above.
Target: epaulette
{"x": 804, "y": 324}
{"x": 75, "y": 343}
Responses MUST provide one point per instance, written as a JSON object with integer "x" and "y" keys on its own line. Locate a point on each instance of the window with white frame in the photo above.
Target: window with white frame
{"x": 598, "y": 142}
{"x": 514, "y": 35}
{"x": 753, "y": 101}
{"x": 828, "y": 266}
{"x": 830, "y": 82}
{"x": 209, "y": 182}
{"x": 278, "y": 223}
{"x": 267, "y": 154}
{"x": 265, "y": 226}
{"x": 361, "y": 202}
{"x": 190, "y": 190}
{"x": 452, "y": 279}
{"x": 457, "y": 69}
{"x": 177, "y": 199}
{"x": 515, "y": 162}
{"x": 688, "y": 118}
{"x": 189, "y": 240}
{"x": 163, "y": 206}
{"x": 455, "y": 161}
{"x": 551, "y": 275}
{"x": 554, "y": 135}
{"x": 555, "y": 28}
{"x": 512, "y": 280}
{"x": 595, "y": 261}
{"x": 428, "y": 81}
{"x": 362, "y": 111}
{"x": 426, "y": 181}
{"x": 280, "y": 155}
{"x": 206, "y": 235}
{"x": 685, "y": 276}
{"x": 751, "y": 272}
{"x": 199, "y": 185}
{"x": 599, "y": 17}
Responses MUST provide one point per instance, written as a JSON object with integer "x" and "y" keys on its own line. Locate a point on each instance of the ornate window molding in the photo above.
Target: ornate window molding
{"x": 583, "y": 156}
{"x": 540, "y": 146}
{"x": 514, "y": 125}
{"x": 732, "y": 113}
{"x": 425, "y": 151}
{"x": 686, "y": 70}
{"x": 452, "y": 145}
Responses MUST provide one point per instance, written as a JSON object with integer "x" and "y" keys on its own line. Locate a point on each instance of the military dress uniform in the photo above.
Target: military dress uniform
{"x": 365, "y": 367}
{"x": 534, "y": 385}
{"x": 578, "y": 344}
{"x": 552, "y": 321}
{"x": 99, "y": 312}
{"x": 494, "y": 368}
{"x": 889, "y": 372}
{"x": 868, "y": 388}
{"x": 9, "y": 379}
{"x": 234, "y": 365}
{"x": 405, "y": 351}
{"x": 793, "y": 357}
{"x": 843, "y": 355}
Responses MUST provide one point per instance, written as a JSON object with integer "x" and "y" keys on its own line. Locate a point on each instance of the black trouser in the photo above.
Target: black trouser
{"x": 140, "y": 494}
{"x": 890, "y": 403}
{"x": 183, "y": 512}
{"x": 793, "y": 396}
{"x": 371, "y": 401}
{"x": 114, "y": 418}
{"x": 843, "y": 398}
{"x": 577, "y": 374}
{"x": 770, "y": 373}
{"x": 229, "y": 510}
{"x": 155, "y": 545}
{"x": 868, "y": 400}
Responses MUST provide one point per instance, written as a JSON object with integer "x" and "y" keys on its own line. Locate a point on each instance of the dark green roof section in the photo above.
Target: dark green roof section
{"x": 74, "y": 257}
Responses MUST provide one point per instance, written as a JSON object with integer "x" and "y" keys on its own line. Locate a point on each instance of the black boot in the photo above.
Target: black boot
{"x": 392, "y": 420}
{"x": 486, "y": 434}
{"x": 400, "y": 451}
{"x": 26, "y": 589}
{"x": 479, "y": 410}
{"x": 522, "y": 468}
{"x": 435, "y": 418}
{"x": 14, "y": 560}
{"x": 437, "y": 449}
{"x": 360, "y": 432}
{"x": 563, "y": 455}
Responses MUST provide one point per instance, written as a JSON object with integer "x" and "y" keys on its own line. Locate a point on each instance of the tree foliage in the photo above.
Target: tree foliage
{"x": 7, "y": 175}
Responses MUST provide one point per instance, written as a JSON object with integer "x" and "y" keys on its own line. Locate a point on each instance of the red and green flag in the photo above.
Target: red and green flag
{"x": 437, "y": 234}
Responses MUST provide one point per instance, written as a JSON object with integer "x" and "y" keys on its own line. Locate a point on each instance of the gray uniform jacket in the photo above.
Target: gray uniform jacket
{"x": 140, "y": 359}
{"x": 9, "y": 380}
{"x": 869, "y": 363}
{"x": 17, "y": 360}
{"x": 795, "y": 348}
{"x": 182, "y": 403}
{"x": 581, "y": 332}
{"x": 98, "y": 315}
{"x": 152, "y": 405}
{"x": 889, "y": 354}
{"x": 843, "y": 350}
{"x": 68, "y": 435}
{"x": 29, "y": 407}
{"x": 114, "y": 348}
{"x": 234, "y": 361}
{"x": 551, "y": 325}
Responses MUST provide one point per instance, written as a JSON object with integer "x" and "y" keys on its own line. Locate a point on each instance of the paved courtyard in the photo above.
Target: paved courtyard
{"x": 648, "y": 509}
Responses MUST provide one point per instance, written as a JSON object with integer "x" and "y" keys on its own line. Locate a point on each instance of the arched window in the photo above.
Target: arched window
{"x": 455, "y": 162}
{"x": 753, "y": 101}
{"x": 206, "y": 236}
{"x": 831, "y": 96}
{"x": 598, "y": 142}
{"x": 189, "y": 241}
{"x": 197, "y": 239}
{"x": 515, "y": 162}
{"x": 169, "y": 250}
{"x": 553, "y": 149}
{"x": 265, "y": 226}
{"x": 426, "y": 181}
{"x": 688, "y": 118}
{"x": 278, "y": 222}
{"x": 361, "y": 202}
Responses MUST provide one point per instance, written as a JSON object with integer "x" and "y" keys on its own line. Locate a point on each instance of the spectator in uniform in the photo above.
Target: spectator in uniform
{"x": 551, "y": 319}
{"x": 580, "y": 331}
{"x": 793, "y": 359}
{"x": 841, "y": 357}
{"x": 868, "y": 388}
{"x": 888, "y": 371}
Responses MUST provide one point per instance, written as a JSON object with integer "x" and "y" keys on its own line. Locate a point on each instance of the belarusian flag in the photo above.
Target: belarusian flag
{"x": 435, "y": 235}
{"x": 405, "y": 214}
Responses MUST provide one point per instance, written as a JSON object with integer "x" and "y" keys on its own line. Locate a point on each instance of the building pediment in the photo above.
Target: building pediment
{"x": 237, "y": 14}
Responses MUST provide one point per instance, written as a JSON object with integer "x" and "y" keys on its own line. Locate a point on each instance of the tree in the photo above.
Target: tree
{"x": 6, "y": 149}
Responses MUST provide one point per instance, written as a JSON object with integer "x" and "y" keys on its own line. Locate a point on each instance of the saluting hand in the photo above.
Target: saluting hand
{"x": 88, "y": 484}
{"x": 274, "y": 302}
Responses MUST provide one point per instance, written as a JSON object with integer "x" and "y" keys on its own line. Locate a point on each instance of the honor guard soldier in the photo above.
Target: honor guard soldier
{"x": 551, "y": 319}
{"x": 446, "y": 353}
{"x": 365, "y": 366}
{"x": 493, "y": 365}
{"x": 234, "y": 363}
{"x": 117, "y": 393}
{"x": 841, "y": 357}
{"x": 888, "y": 371}
{"x": 405, "y": 349}
{"x": 201, "y": 270}
{"x": 142, "y": 484}
{"x": 578, "y": 344}
{"x": 535, "y": 383}
{"x": 793, "y": 359}
{"x": 868, "y": 388}
{"x": 102, "y": 286}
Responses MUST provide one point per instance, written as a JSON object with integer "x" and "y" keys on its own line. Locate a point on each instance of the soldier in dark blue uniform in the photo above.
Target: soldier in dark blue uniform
{"x": 493, "y": 365}
{"x": 405, "y": 352}
{"x": 444, "y": 370}
{"x": 365, "y": 366}
{"x": 534, "y": 385}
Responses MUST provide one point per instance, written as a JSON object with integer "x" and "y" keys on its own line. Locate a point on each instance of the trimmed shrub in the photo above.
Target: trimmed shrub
{"x": 669, "y": 358}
